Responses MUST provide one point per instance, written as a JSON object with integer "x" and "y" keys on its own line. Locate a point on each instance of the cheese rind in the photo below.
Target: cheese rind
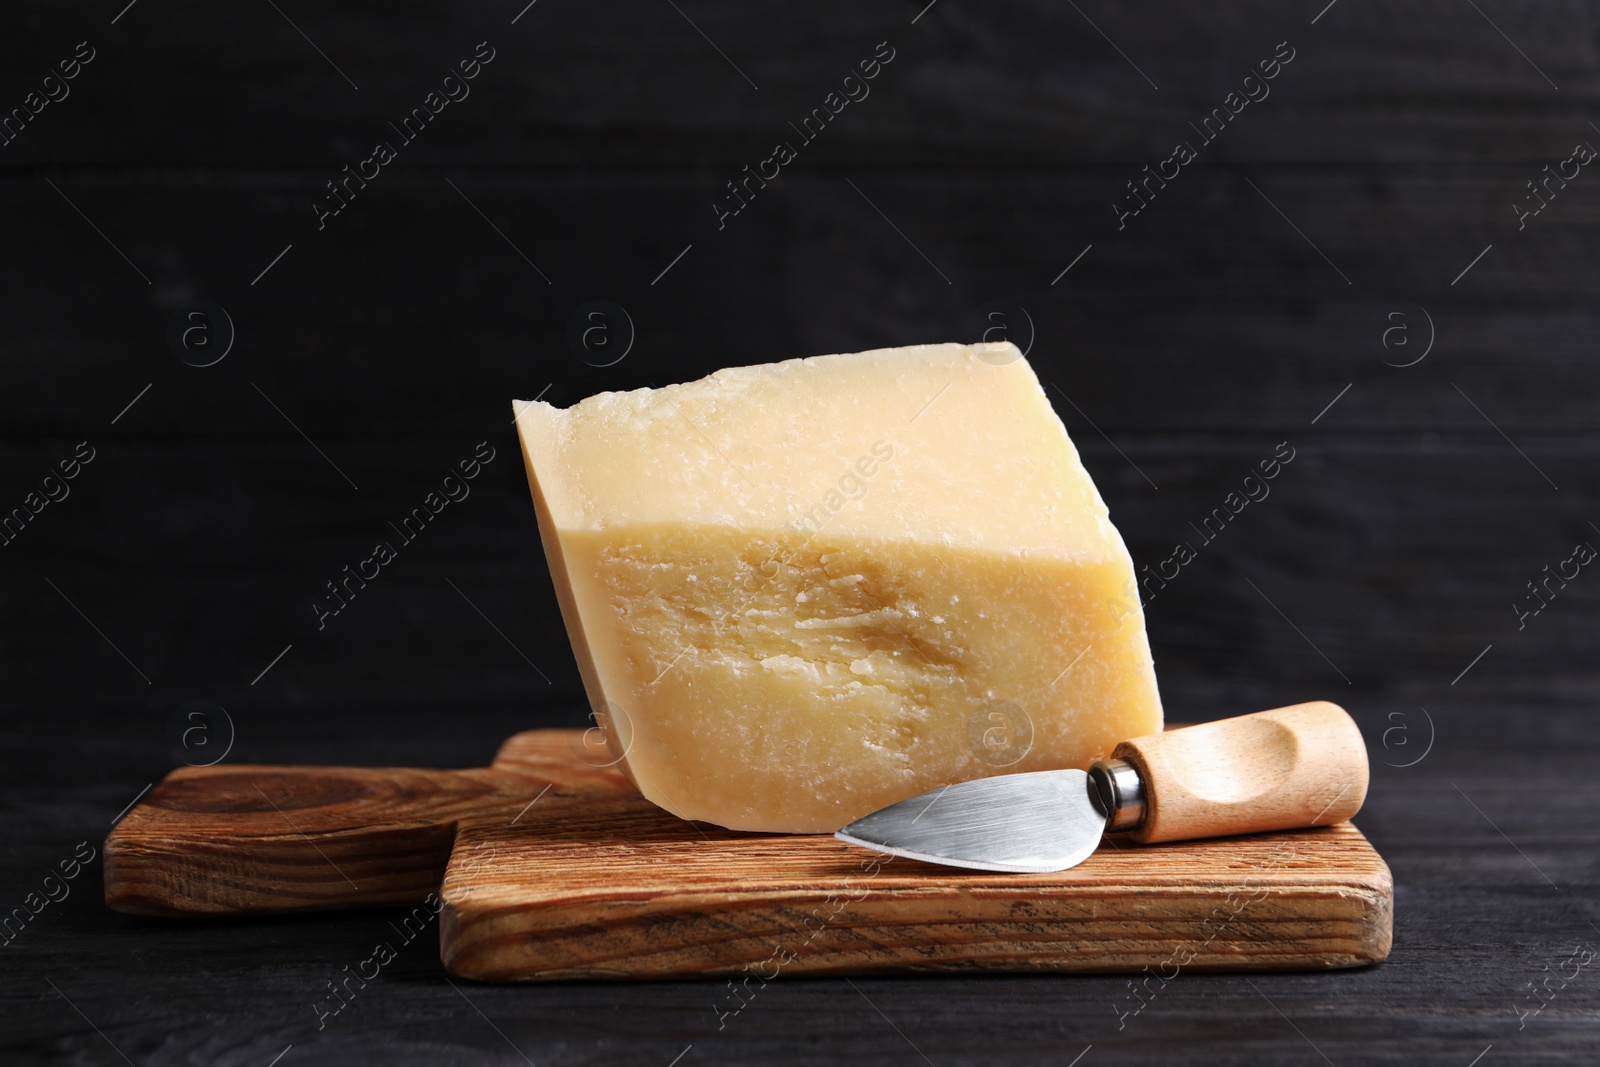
{"x": 802, "y": 591}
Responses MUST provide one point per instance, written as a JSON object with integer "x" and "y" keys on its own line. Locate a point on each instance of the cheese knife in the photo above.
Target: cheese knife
{"x": 1299, "y": 766}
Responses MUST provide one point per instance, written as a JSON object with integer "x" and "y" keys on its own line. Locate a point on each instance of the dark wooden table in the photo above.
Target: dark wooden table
{"x": 1341, "y": 270}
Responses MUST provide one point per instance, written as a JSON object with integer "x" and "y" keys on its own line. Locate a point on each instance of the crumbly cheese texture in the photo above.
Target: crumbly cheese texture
{"x": 801, "y": 591}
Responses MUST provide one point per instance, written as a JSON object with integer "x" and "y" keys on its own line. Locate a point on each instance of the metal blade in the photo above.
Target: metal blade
{"x": 1030, "y": 823}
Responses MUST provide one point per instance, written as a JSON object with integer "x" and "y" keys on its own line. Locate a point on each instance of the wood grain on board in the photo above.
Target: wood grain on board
{"x": 549, "y": 865}
{"x": 617, "y": 888}
{"x": 238, "y": 840}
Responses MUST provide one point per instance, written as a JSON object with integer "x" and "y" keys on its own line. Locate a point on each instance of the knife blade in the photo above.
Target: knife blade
{"x": 1297, "y": 766}
{"x": 1022, "y": 823}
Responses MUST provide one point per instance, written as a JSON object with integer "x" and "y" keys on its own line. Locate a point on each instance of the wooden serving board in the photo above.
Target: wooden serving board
{"x": 549, "y": 865}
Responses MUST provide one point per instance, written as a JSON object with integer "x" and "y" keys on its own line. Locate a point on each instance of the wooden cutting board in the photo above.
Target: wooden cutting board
{"x": 549, "y": 865}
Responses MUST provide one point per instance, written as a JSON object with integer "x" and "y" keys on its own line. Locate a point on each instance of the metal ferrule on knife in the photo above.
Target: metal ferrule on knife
{"x": 1121, "y": 791}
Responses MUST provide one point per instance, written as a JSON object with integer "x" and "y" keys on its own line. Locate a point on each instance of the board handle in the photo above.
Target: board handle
{"x": 1298, "y": 766}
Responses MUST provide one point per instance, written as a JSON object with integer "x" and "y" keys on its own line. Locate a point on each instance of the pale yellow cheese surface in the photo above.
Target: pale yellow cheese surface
{"x": 801, "y": 591}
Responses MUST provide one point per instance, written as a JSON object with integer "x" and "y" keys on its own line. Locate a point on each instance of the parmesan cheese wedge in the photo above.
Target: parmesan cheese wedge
{"x": 802, "y": 591}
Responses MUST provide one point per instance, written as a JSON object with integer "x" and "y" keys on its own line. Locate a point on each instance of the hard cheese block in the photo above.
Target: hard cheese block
{"x": 802, "y": 591}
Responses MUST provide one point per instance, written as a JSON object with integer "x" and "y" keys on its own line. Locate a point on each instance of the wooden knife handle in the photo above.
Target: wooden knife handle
{"x": 1303, "y": 765}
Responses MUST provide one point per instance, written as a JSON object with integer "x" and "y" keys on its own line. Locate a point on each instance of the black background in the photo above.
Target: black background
{"x": 1377, "y": 179}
